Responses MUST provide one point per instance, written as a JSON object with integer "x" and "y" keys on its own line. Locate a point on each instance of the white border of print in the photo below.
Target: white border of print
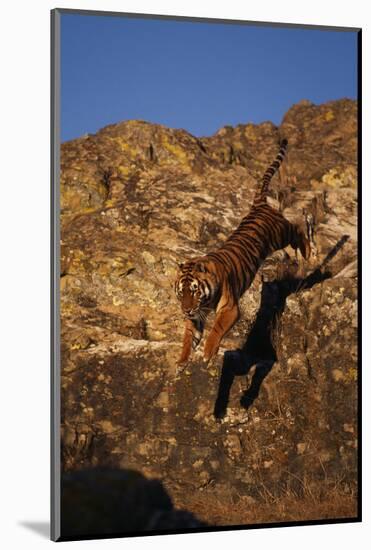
{"x": 25, "y": 267}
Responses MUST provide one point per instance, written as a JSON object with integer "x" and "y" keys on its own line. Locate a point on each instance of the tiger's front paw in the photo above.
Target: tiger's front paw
{"x": 180, "y": 366}
{"x": 210, "y": 352}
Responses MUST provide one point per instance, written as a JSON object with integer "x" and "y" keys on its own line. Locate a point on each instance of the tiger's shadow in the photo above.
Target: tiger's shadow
{"x": 258, "y": 349}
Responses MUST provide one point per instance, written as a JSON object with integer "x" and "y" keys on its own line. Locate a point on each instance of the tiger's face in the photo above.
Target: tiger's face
{"x": 194, "y": 287}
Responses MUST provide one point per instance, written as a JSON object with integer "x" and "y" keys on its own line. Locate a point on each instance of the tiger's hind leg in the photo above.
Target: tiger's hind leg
{"x": 310, "y": 224}
{"x": 298, "y": 240}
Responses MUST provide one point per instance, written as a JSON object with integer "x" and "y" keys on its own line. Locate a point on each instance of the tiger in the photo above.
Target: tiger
{"x": 217, "y": 280}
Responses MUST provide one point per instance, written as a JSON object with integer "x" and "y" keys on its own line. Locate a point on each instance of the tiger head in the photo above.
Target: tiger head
{"x": 195, "y": 287}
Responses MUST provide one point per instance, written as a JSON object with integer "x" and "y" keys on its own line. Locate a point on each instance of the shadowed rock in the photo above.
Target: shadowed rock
{"x": 106, "y": 502}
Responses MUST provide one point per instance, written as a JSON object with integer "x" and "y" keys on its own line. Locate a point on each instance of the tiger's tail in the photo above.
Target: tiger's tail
{"x": 263, "y": 191}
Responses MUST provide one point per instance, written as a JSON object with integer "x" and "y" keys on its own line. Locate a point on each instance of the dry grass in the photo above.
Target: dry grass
{"x": 219, "y": 510}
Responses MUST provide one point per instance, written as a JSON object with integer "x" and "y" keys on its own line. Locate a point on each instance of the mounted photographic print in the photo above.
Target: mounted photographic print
{"x": 205, "y": 200}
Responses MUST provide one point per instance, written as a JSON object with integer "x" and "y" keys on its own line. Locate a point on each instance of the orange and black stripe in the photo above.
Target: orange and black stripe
{"x": 261, "y": 194}
{"x": 260, "y": 233}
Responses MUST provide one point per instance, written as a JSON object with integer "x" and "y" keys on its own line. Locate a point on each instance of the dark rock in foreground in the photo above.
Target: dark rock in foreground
{"x": 108, "y": 502}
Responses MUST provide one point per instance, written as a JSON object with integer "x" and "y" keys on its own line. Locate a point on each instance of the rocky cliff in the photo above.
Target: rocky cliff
{"x": 268, "y": 431}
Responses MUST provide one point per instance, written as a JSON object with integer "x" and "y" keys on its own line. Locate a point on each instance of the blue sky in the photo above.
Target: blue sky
{"x": 196, "y": 76}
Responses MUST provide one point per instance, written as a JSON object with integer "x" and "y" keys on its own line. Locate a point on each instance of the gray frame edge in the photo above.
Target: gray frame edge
{"x": 195, "y": 19}
{"x": 55, "y": 466}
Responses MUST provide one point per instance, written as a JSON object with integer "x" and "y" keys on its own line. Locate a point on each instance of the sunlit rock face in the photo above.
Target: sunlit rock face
{"x": 275, "y": 414}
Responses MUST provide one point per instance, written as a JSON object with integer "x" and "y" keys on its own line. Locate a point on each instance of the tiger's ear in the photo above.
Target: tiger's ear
{"x": 180, "y": 265}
